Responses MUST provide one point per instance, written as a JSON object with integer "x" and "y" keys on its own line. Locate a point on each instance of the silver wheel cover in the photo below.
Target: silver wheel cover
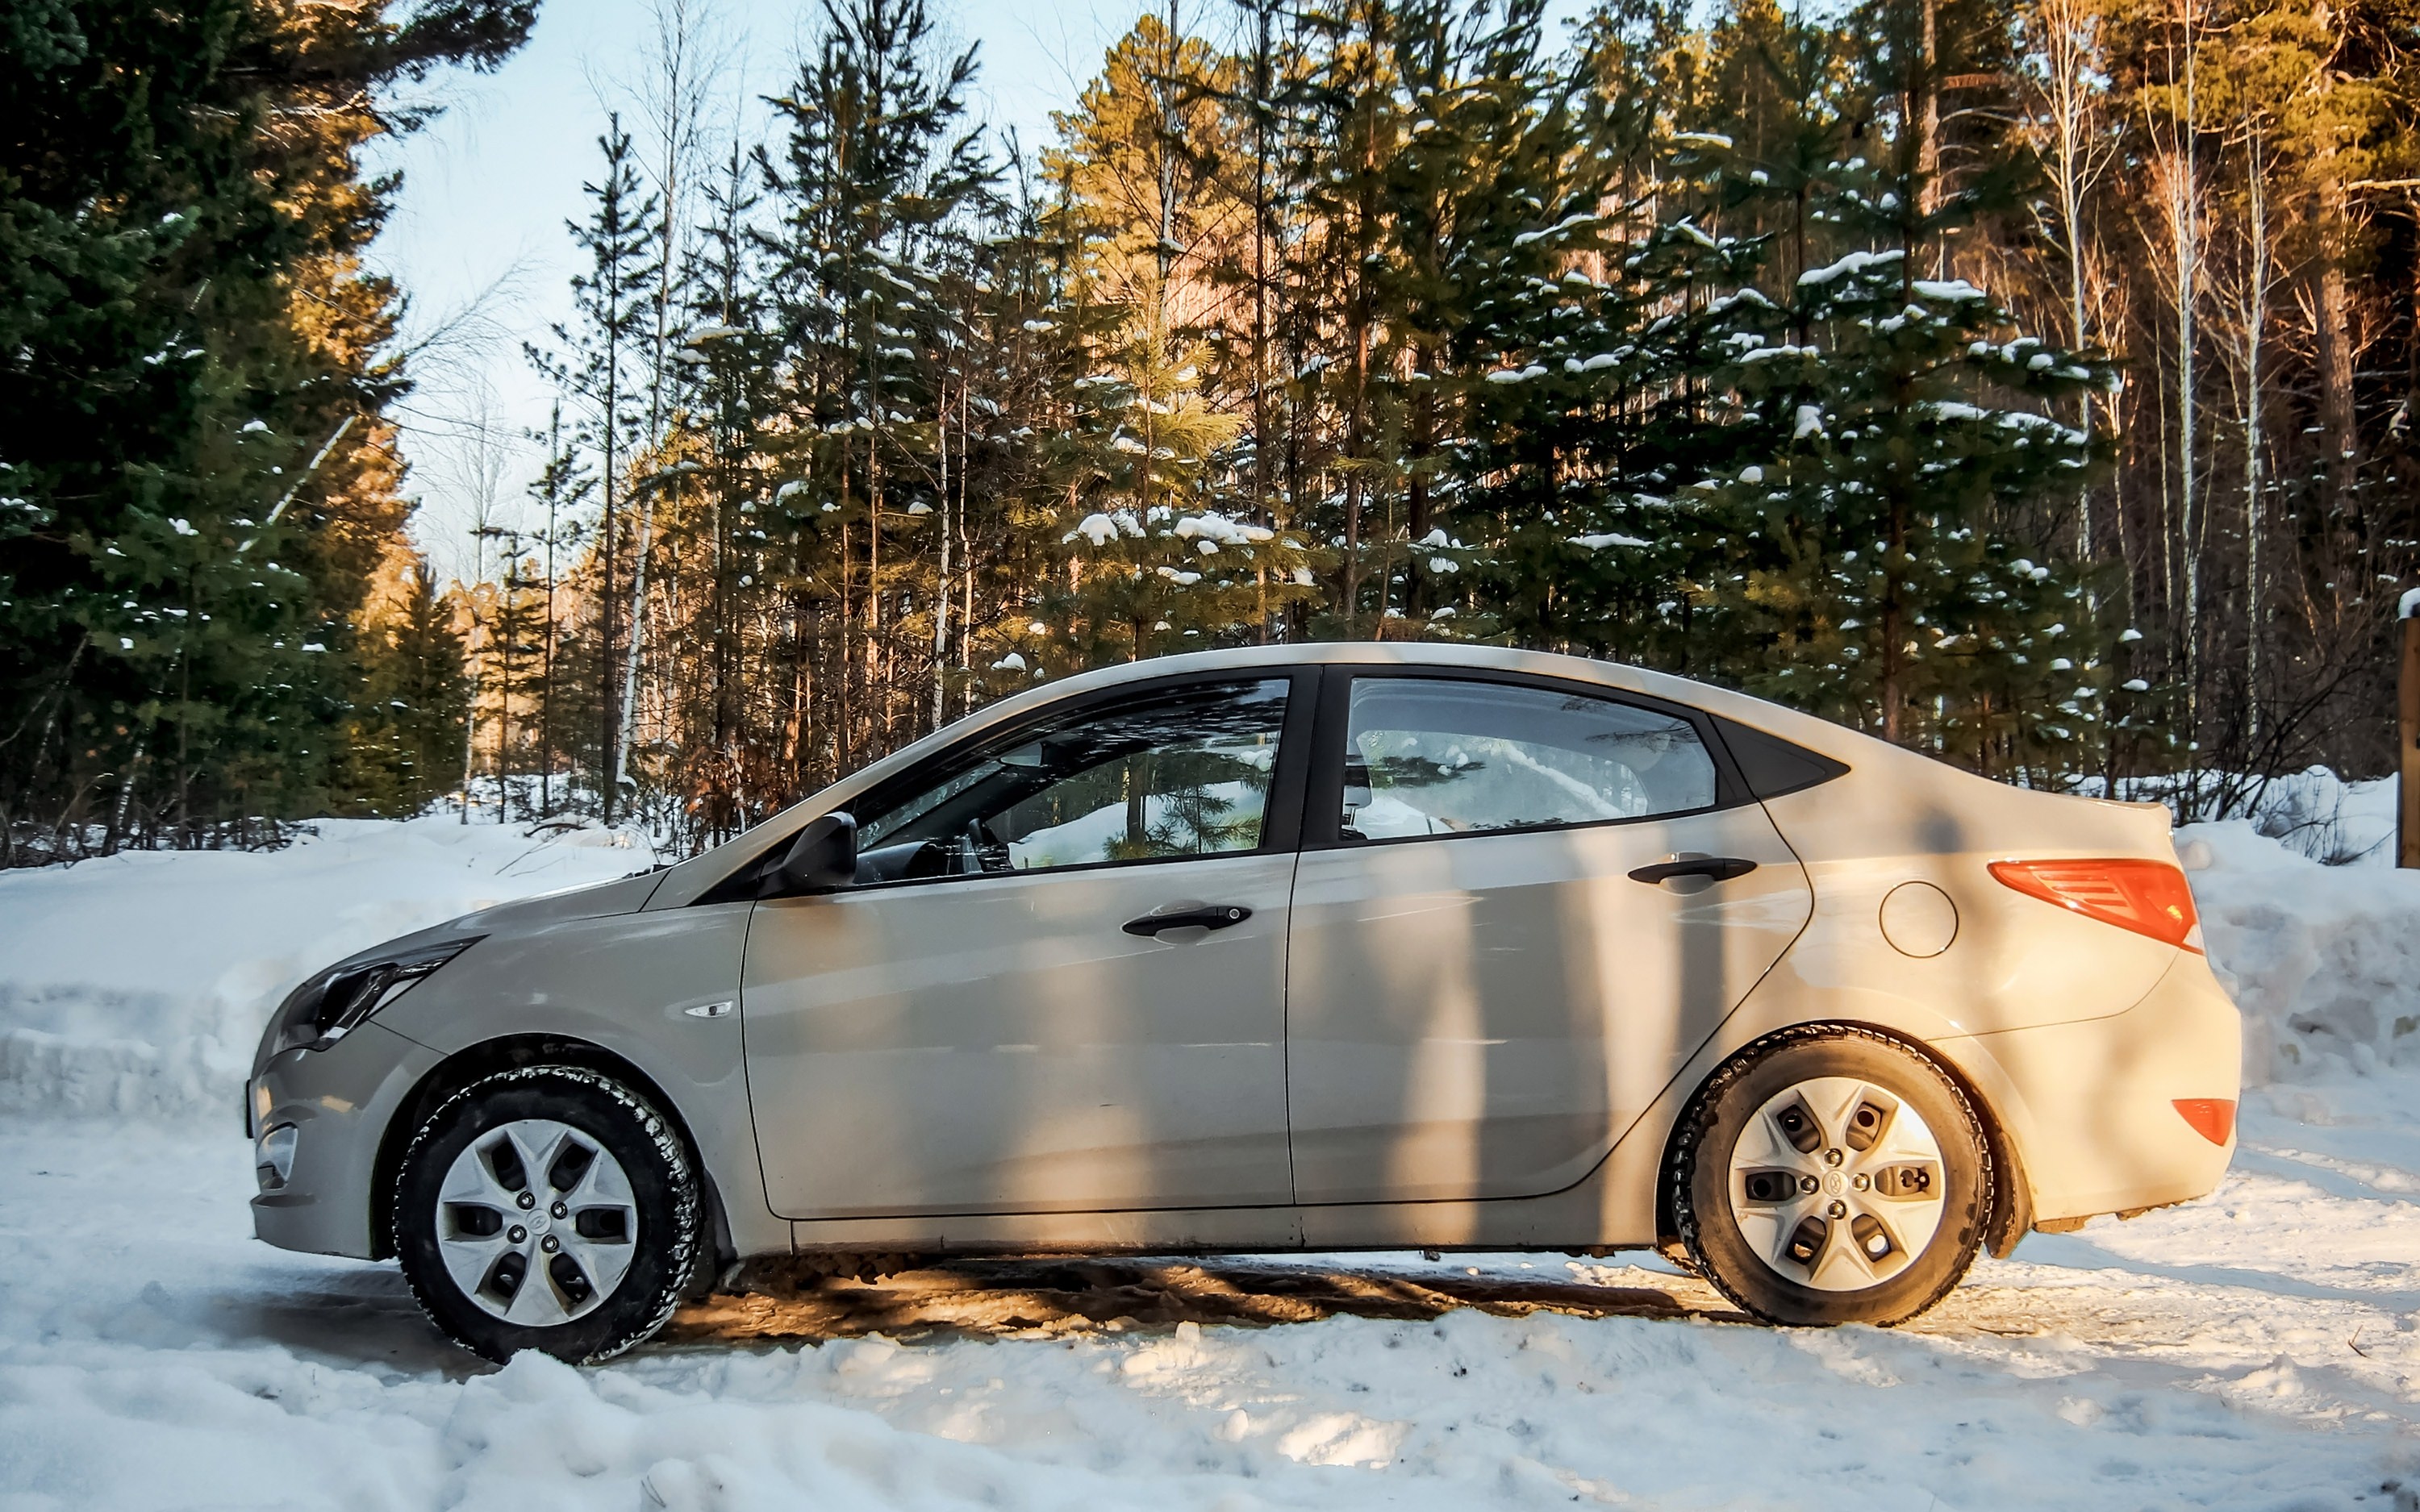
{"x": 1837, "y": 1184}
{"x": 552, "y": 1272}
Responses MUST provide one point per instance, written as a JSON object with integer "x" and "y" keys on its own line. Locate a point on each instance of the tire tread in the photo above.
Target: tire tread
{"x": 668, "y": 1146}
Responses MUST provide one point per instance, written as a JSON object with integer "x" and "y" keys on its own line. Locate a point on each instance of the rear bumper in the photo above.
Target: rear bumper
{"x": 2091, "y": 1106}
{"x": 339, "y": 1102}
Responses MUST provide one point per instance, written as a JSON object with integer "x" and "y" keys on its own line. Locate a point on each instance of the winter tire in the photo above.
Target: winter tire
{"x": 547, "y": 1208}
{"x": 1831, "y": 1176}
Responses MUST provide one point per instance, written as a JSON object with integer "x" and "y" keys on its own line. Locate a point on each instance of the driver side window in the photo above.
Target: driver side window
{"x": 1184, "y": 772}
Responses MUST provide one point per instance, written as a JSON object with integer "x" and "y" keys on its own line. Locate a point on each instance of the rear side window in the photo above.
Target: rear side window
{"x": 1441, "y": 756}
{"x": 1772, "y": 765}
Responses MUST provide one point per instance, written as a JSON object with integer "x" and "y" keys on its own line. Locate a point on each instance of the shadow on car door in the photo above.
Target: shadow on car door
{"x": 1081, "y": 1011}
{"x": 1530, "y": 905}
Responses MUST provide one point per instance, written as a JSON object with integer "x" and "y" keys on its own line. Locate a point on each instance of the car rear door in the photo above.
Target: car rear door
{"x": 1521, "y": 906}
{"x": 1063, "y": 989}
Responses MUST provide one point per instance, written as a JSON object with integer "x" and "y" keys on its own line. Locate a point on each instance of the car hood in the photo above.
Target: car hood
{"x": 594, "y": 899}
{"x": 599, "y": 900}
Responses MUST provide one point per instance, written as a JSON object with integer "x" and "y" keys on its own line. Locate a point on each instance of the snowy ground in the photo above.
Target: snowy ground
{"x": 2261, "y": 1348}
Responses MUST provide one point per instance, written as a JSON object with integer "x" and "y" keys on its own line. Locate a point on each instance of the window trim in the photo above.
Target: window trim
{"x": 1281, "y": 818}
{"x": 1323, "y": 812}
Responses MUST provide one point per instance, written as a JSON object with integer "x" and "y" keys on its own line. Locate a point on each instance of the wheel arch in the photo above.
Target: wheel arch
{"x": 2011, "y": 1195}
{"x": 467, "y": 1066}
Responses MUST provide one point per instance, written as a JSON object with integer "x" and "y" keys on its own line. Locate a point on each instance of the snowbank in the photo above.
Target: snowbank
{"x": 2323, "y": 960}
{"x": 137, "y": 984}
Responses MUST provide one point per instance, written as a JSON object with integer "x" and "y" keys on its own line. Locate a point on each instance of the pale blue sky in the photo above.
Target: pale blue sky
{"x": 489, "y": 186}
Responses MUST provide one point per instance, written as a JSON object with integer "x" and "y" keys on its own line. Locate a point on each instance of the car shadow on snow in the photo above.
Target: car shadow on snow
{"x": 1044, "y": 1297}
{"x": 366, "y": 1317}
{"x": 361, "y": 1316}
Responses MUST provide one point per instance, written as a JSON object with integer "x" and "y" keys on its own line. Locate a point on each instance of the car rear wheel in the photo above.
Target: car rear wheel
{"x": 1831, "y": 1176}
{"x": 547, "y": 1208}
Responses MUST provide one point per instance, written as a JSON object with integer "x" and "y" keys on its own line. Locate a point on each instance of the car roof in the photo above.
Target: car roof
{"x": 1613, "y": 674}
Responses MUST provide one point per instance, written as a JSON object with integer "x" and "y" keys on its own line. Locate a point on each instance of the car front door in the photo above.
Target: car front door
{"x": 1521, "y": 907}
{"x": 1060, "y": 986}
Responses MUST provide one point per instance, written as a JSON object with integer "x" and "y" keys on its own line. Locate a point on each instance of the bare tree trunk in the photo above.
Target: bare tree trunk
{"x": 504, "y": 612}
{"x": 470, "y": 712}
{"x": 638, "y": 643}
{"x": 546, "y": 677}
{"x": 967, "y": 555}
{"x": 2076, "y": 154}
{"x": 2183, "y": 212}
{"x": 1926, "y": 89}
{"x": 878, "y": 683}
{"x": 941, "y": 580}
{"x": 2256, "y": 316}
{"x": 1263, "y": 55}
{"x": 2335, "y": 339}
{"x": 845, "y": 659}
{"x": 609, "y": 744}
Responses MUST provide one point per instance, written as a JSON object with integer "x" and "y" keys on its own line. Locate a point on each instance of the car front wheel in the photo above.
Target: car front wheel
{"x": 547, "y": 1208}
{"x": 1831, "y": 1176}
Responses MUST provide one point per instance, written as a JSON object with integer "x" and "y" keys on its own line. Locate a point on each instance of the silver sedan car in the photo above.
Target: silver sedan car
{"x": 1324, "y": 947}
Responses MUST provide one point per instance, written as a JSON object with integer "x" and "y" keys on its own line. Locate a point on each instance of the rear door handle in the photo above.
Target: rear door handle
{"x": 1222, "y": 915}
{"x": 1712, "y": 868}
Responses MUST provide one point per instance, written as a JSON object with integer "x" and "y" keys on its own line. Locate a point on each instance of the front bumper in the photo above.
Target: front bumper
{"x": 339, "y": 1102}
{"x": 2091, "y": 1106}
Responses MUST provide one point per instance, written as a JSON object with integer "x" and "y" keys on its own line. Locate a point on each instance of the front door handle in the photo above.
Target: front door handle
{"x": 1222, "y": 915}
{"x": 1712, "y": 868}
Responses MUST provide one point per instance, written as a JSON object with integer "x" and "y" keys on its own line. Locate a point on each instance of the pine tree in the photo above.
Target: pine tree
{"x": 1905, "y": 416}
{"x": 406, "y": 734}
{"x": 597, "y": 357}
{"x": 1155, "y": 562}
{"x": 724, "y": 401}
{"x": 561, "y": 488}
{"x": 1431, "y": 329}
{"x": 1160, "y": 559}
{"x": 1561, "y": 342}
{"x": 871, "y": 186}
{"x": 198, "y": 477}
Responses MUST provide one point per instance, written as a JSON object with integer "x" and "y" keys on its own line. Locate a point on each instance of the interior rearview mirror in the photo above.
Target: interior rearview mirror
{"x": 822, "y": 860}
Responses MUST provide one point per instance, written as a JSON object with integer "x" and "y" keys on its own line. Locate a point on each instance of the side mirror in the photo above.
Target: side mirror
{"x": 822, "y": 860}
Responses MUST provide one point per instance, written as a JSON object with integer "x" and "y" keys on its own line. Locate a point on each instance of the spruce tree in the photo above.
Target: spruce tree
{"x": 1900, "y": 418}
{"x": 406, "y": 737}
{"x": 870, "y": 188}
{"x": 197, "y": 477}
{"x": 597, "y": 357}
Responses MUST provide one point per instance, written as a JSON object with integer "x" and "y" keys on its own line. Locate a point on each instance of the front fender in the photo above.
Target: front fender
{"x": 624, "y": 983}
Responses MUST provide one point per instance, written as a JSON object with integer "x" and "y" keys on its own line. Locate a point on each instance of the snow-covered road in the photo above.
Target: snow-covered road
{"x": 2261, "y": 1348}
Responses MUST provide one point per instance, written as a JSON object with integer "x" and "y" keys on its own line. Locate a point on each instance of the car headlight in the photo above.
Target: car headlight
{"x": 329, "y": 1006}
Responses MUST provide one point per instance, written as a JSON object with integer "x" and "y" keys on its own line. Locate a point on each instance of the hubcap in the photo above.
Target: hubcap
{"x": 1837, "y": 1183}
{"x": 535, "y": 1223}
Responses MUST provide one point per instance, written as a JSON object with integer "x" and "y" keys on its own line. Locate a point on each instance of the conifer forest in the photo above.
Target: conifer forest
{"x": 2029, "y": 382}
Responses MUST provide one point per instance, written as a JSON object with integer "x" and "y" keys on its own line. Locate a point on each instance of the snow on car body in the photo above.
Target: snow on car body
{"x": 1323, "y": 946}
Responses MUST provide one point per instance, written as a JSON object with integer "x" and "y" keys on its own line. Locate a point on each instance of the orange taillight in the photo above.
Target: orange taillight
{"x": 2212, "y": 1117}
{"x": 2148, "y": 897}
